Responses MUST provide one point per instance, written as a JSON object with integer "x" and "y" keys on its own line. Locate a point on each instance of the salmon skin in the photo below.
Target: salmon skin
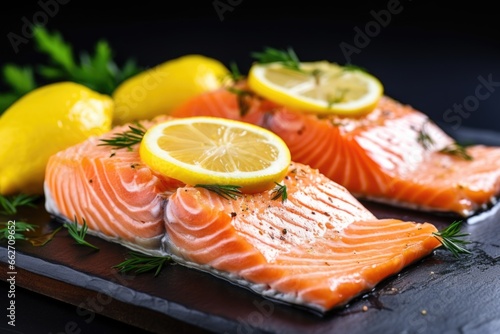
{"x": 317, "y": 250}
{"x": 393, "y": 154}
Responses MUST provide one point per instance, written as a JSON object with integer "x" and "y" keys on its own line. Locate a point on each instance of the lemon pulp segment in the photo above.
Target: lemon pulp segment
{"x": 319, "y": 87}
{"x": 213, "y": 150}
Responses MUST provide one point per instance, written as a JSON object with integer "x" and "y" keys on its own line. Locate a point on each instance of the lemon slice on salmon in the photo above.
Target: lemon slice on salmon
{"x": 319, "y": 87}
{"x": 212, "y": 150}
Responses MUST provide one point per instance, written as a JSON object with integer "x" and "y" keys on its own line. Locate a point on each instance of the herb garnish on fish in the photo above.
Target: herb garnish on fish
{"x": 235, "y": 73}
{"x": 126, "y": 139}
{"x": 226, "y": 191}
{"x": 423, "y": 137}
{"x": 457, "y": 150}
{"x": 351, "y": 67}
{"x": 271, "y": 55}
{"x": 280, "y": 192}
{"x": 243, "y": 97}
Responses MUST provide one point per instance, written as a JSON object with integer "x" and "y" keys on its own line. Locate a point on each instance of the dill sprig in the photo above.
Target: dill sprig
{"x": 240, "y": 92}
{"x": 423, "y": 137}
{"x": 339, "y": 97}
{"x": 10, "y": 204}
{"x": 244, "y": 98}
{"x": 352, "y": 67}
{"x": 126, "y": 139}
{"x": 226, "y": 191}
{"x": 19, "y": 229}
{"x": 235, "y": 73}
{"x": 79, "y": 233}
{"x": 452, "y": 239}
{"x": 141, "y": 263}
{"x": 280, "y": 191}
{"x": 271, "y": 55}
{"x": 457, "y": 150}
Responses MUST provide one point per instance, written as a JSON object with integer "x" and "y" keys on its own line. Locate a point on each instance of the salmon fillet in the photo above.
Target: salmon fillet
{"x": 390, "y": 155}
{"x": 116, "y": 194}
{"x": 318, "y": 249}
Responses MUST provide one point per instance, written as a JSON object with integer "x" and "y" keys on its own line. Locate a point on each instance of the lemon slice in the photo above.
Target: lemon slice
{"x": 319, "y": 87}
{"x": 212, "y": 150}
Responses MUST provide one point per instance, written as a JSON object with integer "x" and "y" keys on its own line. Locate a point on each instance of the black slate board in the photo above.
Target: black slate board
{"x": 458, "y": 295}
{"x": 437, "y": 294}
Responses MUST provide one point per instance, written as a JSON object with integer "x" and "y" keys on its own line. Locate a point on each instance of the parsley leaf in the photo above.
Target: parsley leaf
{"x": 20, "y": 80}
{"x": 95, "y": 70}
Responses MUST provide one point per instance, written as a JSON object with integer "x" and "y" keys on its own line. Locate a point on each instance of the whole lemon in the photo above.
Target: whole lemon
{"x": 158, "y": 90}
{"x": 43, "y": 122}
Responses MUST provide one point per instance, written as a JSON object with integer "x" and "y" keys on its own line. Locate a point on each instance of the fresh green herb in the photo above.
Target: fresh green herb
{"x": 423, "y": 137}
{"x": 96, "y": 71}
{"x": 79, "y": 233}
{"x": 20, "y": 80}
{"x": 271, "y": 55}
{"x": 457, "y": 150}
{"x": 244, "y": 98}
{"x": 351, "y": 67}
{"x": 141, "y": 263}
{"x": 235, "y": 73}
{"x": 19, "y": 229}
{"x": 10, "y": 204}
{"x": 339, "y": 97}
{"x": 225, "y": 191}
{"x": 240, "y": 92}
{"x": 280, "y": 192}
{"x": 452, "y": 239}
{"x": 126, "y": 139}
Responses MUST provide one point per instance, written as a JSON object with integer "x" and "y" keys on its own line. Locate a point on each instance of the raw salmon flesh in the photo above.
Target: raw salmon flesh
{"x": 392, "y": 155}
{"x": 318, "y": 249}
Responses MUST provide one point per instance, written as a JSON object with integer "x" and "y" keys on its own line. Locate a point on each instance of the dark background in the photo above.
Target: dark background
{"x": 428, "y": 55}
